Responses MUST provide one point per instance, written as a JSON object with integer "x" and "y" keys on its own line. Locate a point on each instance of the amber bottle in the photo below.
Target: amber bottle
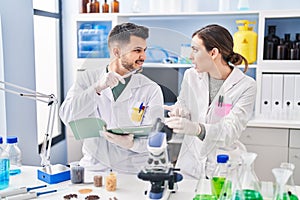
{"x": 105, "y": 7}
{"x": 115, "y": 6}
{"x": 93, "y": 6}
{"x": 83, "y": 6}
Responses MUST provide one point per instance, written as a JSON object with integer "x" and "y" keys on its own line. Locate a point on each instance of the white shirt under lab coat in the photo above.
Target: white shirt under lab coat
{"x": 82, "y": 101}
{"x": 224, "y": 124}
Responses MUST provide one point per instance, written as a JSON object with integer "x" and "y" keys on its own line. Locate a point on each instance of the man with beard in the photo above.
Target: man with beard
{"x": 121, "y": 97}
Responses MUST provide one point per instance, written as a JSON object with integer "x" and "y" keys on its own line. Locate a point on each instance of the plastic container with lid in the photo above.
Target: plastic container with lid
{"x": 14, "y": 154}
{"x": 219, "y": 175}
{"x": 4, "y": 167}
{"x": 245, "y": 41}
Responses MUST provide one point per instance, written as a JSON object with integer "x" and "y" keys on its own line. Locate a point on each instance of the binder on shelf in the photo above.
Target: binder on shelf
{"x": 277, "y": 92}
{"x": 266, "y": 94}
{"x": 297, "y": 94}
{"x": 288, "y": 91}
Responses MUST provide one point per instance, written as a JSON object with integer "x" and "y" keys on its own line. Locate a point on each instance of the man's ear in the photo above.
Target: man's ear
{"x": 116, "y": 52}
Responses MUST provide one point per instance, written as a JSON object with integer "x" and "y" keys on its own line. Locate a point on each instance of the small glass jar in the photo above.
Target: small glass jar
{"x": 93, "y": 6}
{"x": 115, "y": 6}
{"x": 105, "y": 7}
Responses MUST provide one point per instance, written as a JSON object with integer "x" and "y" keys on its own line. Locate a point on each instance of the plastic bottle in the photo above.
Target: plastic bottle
{"x": 4, "y": 167}
{"x": 219, "y": 175}
{"x": 115, "y": 6}
{"x": 105, "y": 7}
{"x": 245, "y": 41}
{"x": 14, "y": 154}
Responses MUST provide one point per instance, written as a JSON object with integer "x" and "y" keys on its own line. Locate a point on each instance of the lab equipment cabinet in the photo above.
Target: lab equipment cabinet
{"x": 276, "y": 122}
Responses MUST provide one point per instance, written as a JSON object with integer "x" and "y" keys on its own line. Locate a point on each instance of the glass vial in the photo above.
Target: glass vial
{"x": 115, "y": 6}
{"x": 136, "y": 7}
{"x": 224, "y": 5}
{"x": 15, "y": 155}
{"x": 4, "y": 167}
{"x": 243, "y": 5}
{"x": 105, "y": 7}
{"x": 93, "y": 6}
{"x": 83, "y": 6}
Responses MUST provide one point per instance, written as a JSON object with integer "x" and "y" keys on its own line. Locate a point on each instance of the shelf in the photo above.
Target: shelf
{"x": 283, "y": 66}
{"x": 273, "y": 123}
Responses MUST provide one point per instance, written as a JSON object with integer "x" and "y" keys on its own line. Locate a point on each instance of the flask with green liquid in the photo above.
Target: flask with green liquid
{"x": 219, "y": 176}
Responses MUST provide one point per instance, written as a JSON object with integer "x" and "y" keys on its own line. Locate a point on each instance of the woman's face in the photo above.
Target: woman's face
{"x": 200, "y": 57}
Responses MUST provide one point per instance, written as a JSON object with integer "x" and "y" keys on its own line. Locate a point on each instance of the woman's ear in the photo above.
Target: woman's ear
{"x": 214, "y": 52}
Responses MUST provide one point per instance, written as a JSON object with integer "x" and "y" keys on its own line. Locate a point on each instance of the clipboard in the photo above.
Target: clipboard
{"x": 90, "y": 127}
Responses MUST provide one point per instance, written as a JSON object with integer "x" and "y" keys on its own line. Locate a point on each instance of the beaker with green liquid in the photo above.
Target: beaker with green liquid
{"x": 250, "y": 183}
{"x": 203, "y": 190}
{"x": 282, "y": 175}
{"x": 290, "y": 185}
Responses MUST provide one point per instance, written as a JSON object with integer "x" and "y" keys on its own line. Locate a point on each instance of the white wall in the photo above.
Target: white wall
{"x": 2, "y": 96}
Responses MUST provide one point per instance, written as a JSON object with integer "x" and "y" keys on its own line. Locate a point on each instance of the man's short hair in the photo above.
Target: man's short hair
{"x": 121, "y": 33}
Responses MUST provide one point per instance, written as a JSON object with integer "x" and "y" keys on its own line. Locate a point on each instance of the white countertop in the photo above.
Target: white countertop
{"x": 128, "y": 186}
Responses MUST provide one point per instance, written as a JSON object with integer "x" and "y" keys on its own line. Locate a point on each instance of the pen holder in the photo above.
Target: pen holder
{"x": 137, "y": 114}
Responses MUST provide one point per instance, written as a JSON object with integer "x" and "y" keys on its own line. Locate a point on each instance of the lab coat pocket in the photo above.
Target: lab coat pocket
{"x": 138, "y": 112}
{"x": 223, "y": 109}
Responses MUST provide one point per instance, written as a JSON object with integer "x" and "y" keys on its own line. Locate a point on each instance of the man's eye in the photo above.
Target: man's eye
{"x": 138, "y": 50}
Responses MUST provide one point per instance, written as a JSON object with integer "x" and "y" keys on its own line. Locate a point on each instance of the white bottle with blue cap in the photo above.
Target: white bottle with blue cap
{"x": 15, "y": 155}
{"x": 4, "y": 167}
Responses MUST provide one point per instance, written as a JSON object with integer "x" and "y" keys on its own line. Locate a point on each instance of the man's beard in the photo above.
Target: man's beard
{"x": 128, "y": 66}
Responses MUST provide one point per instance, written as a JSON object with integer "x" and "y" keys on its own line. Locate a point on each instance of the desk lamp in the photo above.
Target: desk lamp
{"x": 48, "y": 173}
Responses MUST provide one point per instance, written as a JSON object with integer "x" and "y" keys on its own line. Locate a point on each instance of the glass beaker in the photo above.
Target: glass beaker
{"x": 282, "y": 175}
{"x": 203, "y": 190}
{"x": 250, "y": 182}
{"x": 290, "y": 185}
{"x": 232, "y": 189}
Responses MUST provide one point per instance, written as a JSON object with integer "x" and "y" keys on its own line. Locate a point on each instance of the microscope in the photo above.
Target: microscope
{"x": 159, "y": 171}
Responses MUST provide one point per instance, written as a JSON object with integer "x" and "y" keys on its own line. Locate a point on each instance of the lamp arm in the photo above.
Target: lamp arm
{"x": 52, "y": 103}
{"x": 47, "y": 142}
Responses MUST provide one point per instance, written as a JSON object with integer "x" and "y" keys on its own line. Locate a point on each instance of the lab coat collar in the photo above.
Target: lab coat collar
{"x": 234, "y": 77}
{"x": 136, "y": 82}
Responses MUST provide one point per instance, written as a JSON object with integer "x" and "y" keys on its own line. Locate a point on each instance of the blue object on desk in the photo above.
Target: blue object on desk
{"x": 54, "y": 174}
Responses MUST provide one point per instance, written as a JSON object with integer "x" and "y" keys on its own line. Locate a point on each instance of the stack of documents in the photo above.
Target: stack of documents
{"x": 90, "y": 127}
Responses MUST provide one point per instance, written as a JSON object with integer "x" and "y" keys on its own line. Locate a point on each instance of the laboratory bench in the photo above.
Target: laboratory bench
{"x": 128, "y": 186}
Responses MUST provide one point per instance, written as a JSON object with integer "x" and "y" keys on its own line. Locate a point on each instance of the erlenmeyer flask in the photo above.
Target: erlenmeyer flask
{"x": 203, "y": 190}
{"x": 250, "y": 182}
{"x": 203, "y": 187}
{"x": 282, "y": 175}
{"x": 232, "y": 189}
{"x": 290, "y": 185}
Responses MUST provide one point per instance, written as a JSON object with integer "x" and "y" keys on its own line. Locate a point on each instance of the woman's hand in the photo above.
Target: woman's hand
{"x": 124, "y": 141}
{"x": 183, "y": 126}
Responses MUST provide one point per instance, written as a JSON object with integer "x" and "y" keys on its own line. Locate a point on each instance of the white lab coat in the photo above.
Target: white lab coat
{"x": 82, "y": 101}
{"x": 224, "y": 125}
